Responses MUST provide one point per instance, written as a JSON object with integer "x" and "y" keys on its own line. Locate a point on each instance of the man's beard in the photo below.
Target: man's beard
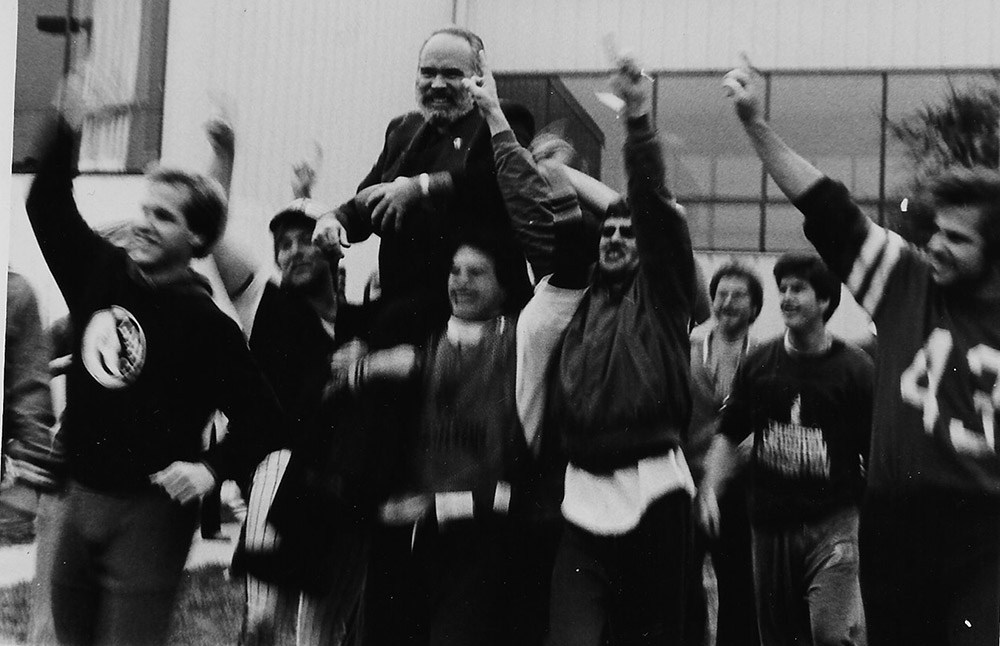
{"x": 460, "y": 106}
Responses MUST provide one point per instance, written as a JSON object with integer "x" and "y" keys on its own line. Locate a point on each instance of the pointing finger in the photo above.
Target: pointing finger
{"x": 747, "y": 66}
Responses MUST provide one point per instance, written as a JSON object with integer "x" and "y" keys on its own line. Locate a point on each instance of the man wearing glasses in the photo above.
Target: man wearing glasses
{"x": 620, "y": 401}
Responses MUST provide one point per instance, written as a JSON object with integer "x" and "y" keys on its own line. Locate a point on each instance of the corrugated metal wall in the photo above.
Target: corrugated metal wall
{"x": 337, "y": 70}
{"x": 524, "y": 35}
{"x": 289, "y": 72}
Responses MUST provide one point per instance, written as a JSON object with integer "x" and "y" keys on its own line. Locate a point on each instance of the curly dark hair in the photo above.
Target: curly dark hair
{"x": 976, "y": 186}
{"x": 810, "y": 268}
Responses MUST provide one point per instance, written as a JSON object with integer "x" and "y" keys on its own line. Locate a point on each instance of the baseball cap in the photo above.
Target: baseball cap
{"x": 302, "y": 209}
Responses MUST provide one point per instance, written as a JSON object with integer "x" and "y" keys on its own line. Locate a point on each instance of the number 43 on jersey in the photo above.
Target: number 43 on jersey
{"x": 921, "y": 386}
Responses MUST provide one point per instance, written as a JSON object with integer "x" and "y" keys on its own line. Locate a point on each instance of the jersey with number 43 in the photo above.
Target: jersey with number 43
{"x": 937, "y": 385}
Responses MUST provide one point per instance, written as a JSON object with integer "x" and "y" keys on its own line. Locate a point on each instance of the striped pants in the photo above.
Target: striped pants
{"x": 279, "y": 614}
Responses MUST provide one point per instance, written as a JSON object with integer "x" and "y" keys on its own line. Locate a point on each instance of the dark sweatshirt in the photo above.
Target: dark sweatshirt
{"x": 151, "y": 362}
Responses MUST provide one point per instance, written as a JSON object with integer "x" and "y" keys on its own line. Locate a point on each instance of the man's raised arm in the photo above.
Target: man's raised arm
{"x": 236, "y": 263}
{"x": 661, "y": 233}
{"x": 792, "y": 173}
{"x": 68, "y": 244}
{"x": 539, "y": 197}
{"x": 833, "y": 222}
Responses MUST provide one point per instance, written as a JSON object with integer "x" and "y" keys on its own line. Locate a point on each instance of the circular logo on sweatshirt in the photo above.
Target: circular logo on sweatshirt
{"x": 114, "y": 347}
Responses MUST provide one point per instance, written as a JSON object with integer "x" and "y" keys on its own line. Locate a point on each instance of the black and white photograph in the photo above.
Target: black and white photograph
{"x": 502, "y": 323}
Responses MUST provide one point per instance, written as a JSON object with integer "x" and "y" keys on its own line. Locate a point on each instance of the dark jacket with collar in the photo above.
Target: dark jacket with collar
{"x": 620, "y": 391}
{"x": 414, "y": 261}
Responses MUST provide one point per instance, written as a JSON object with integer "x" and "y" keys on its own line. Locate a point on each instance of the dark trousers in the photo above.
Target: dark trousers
{"x": 392, "y": 597}
{"x": 468, "y": 573}
{"x": 807, "y": 581}
{"x": 930, "y": 570}
{"x": 629, "y": 588}
{"x": 117, "y": 566}
{"x": 732, "y": 562}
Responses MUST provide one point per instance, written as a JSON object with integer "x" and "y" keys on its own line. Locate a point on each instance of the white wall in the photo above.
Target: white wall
{"x": 290, "y": 72}
{"x": 102, "y": 199}
{"x": 8, "y": 48}
{"x": 526, "y": 35}
{"x": 336, "y": 71}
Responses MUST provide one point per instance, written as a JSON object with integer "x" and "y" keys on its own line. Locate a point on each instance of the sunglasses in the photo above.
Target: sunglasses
{"x": 626, "y": 231}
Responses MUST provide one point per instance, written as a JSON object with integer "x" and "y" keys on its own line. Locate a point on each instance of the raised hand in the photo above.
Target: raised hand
{"x": 303, "y": 178}
{"x": 221, "y": 137}
{"x": 743, "y": 85}
{"x": 628, "y": 81}
{"x": 83, "y": 91}
{"x": 304, "y": 172}
{"x": 71, "y": 98}
{"x": 483, "y": 88}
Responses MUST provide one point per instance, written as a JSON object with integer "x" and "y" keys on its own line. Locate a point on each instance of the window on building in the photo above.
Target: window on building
{"x": 834, "y": 119}
{"x": 124, "y": 42}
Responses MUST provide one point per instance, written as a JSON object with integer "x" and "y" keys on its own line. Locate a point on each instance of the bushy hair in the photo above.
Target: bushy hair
{"x": 507, "y": 262}
{"x": 205, "y": 207}
{"x": 474, "y": 41}
{"x": 977, "y": 187}
{"x": 810, "y": 268}
{"x": 739, "y": 270}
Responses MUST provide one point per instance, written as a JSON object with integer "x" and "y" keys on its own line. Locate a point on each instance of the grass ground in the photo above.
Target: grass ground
{"x": 209, "y": 610}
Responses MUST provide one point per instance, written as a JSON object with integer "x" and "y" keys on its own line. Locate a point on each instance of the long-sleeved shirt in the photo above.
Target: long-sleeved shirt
{"x": 414, "y": 261}
{"x": 151, "y": 362}
{"x": 621, "y": 386}
{"x": 938, "y": 361}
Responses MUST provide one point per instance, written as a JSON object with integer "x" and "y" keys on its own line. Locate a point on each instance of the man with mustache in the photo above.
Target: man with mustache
{"x": 619, "y": 401}
{"x": 930, "y": 521}
{"x": 805, "y": 397}
{"x": 736, "y": 296}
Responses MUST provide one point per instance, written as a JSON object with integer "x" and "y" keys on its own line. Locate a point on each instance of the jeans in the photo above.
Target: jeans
{"x": 51, "y": 507}
{"x": 930, "y": 570}
{"x": 118, "y": 564}
{"x": 631, "y": 587}
{"x": 806, "y": 576}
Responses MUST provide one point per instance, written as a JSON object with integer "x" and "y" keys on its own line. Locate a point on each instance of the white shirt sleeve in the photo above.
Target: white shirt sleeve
{"x": 539, "y": 329}
{"x": 248, "y": 301}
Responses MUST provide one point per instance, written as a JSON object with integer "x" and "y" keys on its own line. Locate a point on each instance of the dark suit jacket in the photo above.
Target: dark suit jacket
{"x": 414, "y": 262}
